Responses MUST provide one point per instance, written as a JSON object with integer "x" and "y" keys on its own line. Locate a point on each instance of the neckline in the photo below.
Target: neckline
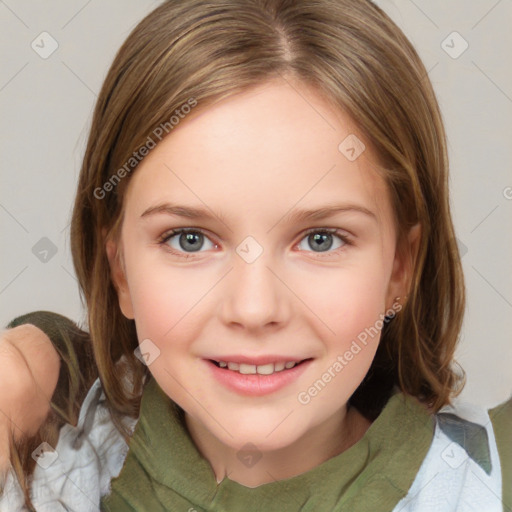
{"x": 371, "y": 461}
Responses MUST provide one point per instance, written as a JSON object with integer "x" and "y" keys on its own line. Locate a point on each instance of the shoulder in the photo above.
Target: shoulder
{"x": 76, "y": 473}
{"x": 462, "y": 470}
{"x": 501, "y": 418}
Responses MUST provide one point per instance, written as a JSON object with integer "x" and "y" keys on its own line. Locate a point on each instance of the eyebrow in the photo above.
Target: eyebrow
{"x": 298, "y": 215}
{"x": 327, "y": 211}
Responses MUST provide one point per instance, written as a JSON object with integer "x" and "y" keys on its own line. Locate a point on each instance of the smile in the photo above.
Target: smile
{"x": 252, "y": 369}
{"x": 256, "y": 380}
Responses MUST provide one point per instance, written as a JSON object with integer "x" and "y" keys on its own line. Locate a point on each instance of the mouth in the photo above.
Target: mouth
{"x": 241, "y": 374}
{"x": 262, "y": 369}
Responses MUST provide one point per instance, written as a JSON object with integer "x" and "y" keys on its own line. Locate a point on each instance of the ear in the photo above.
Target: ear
{"x": 403, "y": 266}
{"x": 117, "y": 271}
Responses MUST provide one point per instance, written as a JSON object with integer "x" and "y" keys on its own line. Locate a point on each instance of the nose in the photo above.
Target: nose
{"x": 254, "y": 296}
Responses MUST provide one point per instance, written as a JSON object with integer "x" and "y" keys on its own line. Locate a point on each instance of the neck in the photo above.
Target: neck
{"x": 321, "y": 443}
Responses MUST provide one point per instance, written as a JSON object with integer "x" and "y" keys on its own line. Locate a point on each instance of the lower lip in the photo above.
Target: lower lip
{"x": 256, "y": 384}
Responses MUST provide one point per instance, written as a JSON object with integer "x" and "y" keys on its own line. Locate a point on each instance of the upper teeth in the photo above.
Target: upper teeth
{"x": 264, "y": 369}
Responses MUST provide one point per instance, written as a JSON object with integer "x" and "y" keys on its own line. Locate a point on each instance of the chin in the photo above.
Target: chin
{"x": 264, "y": 437}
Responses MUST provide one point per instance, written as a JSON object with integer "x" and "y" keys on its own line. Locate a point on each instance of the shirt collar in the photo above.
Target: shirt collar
{"x": 383, "y": 462}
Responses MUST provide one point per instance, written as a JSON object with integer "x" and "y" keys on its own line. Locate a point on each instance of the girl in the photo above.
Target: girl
{"x": 297, "y": 356}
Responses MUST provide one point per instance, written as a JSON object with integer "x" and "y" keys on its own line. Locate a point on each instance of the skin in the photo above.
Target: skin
{"x": 30, "y": 371}
{"x": 253, "y": 158}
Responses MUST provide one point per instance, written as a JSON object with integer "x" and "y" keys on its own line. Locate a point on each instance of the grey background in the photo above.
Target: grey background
{"x": 46, "y": 106}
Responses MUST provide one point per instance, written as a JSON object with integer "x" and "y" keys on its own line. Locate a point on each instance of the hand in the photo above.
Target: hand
{"x": 29, "y": 370}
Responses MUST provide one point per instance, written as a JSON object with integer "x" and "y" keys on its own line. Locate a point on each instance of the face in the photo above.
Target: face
{"x": 255, "y": 282}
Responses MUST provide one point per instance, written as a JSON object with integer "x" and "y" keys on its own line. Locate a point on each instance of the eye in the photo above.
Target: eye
{"x": 190, "y": 240}
{"x": 185, "y": 242}
{"x": 321, "y": 240}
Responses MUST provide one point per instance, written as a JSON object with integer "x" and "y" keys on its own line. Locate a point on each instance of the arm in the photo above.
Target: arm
{"x": 49, "y": 367}
{"x": 30, "y": 369}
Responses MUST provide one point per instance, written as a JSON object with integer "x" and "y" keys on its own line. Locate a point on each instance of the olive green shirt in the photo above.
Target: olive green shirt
{"x": 164, "y": 470}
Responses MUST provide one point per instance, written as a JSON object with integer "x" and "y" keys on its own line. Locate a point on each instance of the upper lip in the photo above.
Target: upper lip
{"x": 257, "y": 360}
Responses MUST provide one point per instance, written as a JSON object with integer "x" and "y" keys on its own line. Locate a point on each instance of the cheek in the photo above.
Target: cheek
{"x": 351, "y": 306}
{"x": 163, "y": 298}
{"x": 347, "y": 300}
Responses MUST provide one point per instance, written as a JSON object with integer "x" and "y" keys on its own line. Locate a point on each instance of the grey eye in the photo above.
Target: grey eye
{"x": 321, "y": 241}
{"x": 188, "y": 241}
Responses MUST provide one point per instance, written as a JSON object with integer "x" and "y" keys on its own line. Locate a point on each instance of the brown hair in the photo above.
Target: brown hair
{"x": 361, "y": 62}
{"x": 352, "y": 53}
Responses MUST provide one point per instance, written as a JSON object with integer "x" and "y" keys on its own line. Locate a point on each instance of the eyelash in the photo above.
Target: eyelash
{"x": 178, "y": 231}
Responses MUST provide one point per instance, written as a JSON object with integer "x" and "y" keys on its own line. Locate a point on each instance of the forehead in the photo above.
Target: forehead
{"x": 262, "y": 152}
